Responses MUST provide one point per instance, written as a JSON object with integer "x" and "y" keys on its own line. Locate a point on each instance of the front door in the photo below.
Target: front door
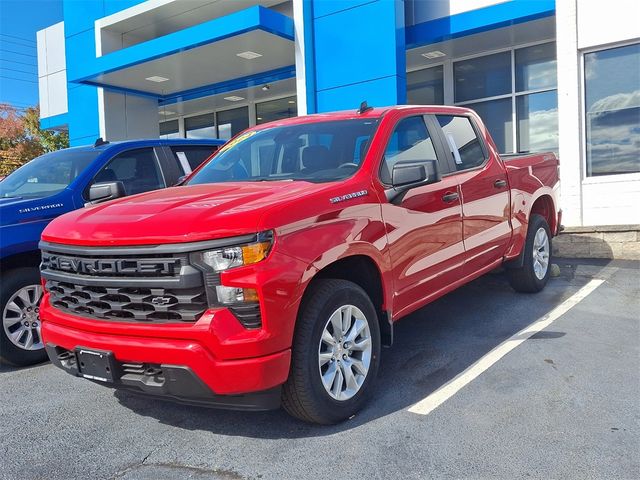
{"x": 424, "y": 228}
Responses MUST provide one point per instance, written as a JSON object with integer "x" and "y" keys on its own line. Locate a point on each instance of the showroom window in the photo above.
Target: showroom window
{"x": 200, "y": 126}
{"x": 232, "y": 122}
{"x": 276, "y": 110}
{"x": 170, "y": 129}
{"x": 426, "y": 86}
{"x": 612, "y": 110}
{"x": 518, "y": 85}
{"x": 521, "y": 81}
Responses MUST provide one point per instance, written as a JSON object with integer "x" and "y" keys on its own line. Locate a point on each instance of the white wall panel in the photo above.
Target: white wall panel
{"x": 43, "y": 94}
{"x": 52, "y": 73}
{"x": 419, "y": 11}
{"x": 57, "y": 93}
{"x": 41, "y": 40}
{"x": 602, "y": 23}
{"x": 55, "y": 48}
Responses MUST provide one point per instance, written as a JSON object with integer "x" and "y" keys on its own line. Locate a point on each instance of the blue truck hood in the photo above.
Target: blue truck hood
{"x": 22, "y": 210}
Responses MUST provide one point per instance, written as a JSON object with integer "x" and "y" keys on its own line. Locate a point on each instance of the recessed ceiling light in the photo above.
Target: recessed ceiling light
{"x": 167, "y": 112}
{"x": 157, "y": 79}
{"x": 292, "y": 101}
{"x": 234, "y": 98}
{"x": 434, "y": 54}
{"x": 259, "y": 118}
{"x": 248, "y": 55}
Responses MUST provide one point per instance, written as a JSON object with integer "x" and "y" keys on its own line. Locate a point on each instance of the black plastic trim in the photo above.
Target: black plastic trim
{"x": 175, "y": 383}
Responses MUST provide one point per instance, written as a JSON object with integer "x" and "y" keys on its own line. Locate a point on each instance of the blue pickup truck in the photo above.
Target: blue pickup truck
{"x": 57, "y": 183}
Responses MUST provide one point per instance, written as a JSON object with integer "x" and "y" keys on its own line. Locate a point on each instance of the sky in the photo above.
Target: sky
{"x": 19, "y": 22}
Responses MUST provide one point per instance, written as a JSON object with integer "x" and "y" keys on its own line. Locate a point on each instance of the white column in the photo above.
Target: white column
{"x": 569, "y": 116}
{"x": 301, "y": 79}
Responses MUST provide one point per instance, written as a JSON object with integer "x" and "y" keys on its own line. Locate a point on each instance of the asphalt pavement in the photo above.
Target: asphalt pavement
{"x": 563, "y": 404}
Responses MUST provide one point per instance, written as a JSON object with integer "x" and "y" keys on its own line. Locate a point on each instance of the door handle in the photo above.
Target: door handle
{"x": 450, "y": 197}
{"x": 500, "y": 183}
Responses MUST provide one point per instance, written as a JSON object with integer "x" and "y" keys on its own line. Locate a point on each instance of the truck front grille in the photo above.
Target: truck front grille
{"x": 124, "y": 284}
{"x": 128, "y": 303}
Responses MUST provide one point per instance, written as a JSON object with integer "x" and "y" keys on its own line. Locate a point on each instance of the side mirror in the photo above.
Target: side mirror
{"x": 410, "y": 174}
{"x": 101, "y": 192}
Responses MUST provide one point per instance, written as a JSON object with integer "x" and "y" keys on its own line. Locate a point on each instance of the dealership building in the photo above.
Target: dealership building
{"x": 544, "y": 75}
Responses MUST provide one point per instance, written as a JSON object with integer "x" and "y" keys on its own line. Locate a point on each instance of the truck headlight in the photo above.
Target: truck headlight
{"x": 230, "y": 257}
{"x": 244, "y": 303}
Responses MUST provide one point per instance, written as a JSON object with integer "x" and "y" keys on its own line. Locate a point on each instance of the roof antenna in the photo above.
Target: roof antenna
{"x": 100, "y": 142}
{"x": 364, "y": 108}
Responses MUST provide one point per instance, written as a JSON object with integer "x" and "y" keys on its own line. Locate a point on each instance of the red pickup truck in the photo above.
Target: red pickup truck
{"x": 276, "y": 272}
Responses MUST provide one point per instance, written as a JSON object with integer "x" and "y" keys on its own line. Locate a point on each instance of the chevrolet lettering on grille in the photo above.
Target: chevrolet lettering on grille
{"x": 110, "y": 266}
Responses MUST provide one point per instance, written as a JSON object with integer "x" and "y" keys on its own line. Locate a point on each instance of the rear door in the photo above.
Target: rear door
{"x": 424, "y": 228}
{"x": 484, "y": 188}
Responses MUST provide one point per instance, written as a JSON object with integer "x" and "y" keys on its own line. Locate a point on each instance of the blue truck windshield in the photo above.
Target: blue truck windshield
{"x": 315, "y": 152}
{"x": 47, "y": 175}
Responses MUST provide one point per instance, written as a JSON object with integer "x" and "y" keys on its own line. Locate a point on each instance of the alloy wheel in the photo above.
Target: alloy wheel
{"x": 541, "y": 253}
{"x": 344, "y": 353}
{"x": 21, "y": 318}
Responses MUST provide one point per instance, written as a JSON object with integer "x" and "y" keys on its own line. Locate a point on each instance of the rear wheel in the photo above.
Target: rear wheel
{"x": 20, "y": 340}
{"x": 533, "y": 275}
{"x": 336, "y": 353}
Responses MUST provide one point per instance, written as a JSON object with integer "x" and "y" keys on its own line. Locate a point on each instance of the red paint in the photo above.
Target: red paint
{"x": 422, "y": 247}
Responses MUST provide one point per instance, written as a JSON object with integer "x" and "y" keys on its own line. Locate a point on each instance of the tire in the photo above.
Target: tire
{"x": 534, "y": 273}
{"x": 304, "y": 395}
{"x": 20, "y": 294}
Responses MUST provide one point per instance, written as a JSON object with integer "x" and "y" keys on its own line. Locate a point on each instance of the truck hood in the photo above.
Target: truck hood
{"x": 175, "y": 215}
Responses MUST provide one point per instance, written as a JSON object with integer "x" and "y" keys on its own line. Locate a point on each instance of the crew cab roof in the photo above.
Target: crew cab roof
{"x": 149, "y": 142}
{"x": 373, "y": 113}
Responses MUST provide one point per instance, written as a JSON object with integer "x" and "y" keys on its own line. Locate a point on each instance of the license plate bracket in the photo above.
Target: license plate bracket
{"x": 95, "y": 364}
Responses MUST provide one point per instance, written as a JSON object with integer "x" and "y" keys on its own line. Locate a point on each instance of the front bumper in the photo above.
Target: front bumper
{"x": 195, "y": 373}
{"x": 171, "y": 382}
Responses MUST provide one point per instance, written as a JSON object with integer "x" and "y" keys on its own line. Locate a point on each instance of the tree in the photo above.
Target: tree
{"x": 22, "y": 139}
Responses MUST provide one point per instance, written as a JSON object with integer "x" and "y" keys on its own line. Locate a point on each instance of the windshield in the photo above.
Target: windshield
{"x": 46, "y": 175}
{"x": 315, "y": 152}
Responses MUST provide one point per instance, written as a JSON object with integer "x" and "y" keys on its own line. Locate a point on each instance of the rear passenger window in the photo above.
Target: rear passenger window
{"x": 410, "y": 141}
{"x": 462, "y": 140}
{"x": 190, "y": 157}
{"x": 137, "y": 169}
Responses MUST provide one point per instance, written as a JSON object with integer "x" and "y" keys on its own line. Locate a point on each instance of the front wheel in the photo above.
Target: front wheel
{"x": 533, "y": 275}
{"x": 20, "y": 340}
{"x": 335, "y": 355}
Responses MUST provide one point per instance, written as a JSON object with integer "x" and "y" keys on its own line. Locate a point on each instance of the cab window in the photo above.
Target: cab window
{"x": 462, "y": 140}
{"x": 137, "y": 169}
{"x": 410, "y": 141}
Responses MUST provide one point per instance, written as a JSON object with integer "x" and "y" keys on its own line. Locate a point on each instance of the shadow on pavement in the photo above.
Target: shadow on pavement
{"x": 431, "y": 347}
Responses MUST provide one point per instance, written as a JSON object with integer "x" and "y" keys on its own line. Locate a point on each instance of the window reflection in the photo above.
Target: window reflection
{"x": 496, "y": 115}
{"x": 537, "y": 122}
{"x": 426, "y": 87}
{"x": 200, "y": 126}
{"x": 536, "y": 67}
{"x": 612, "y": 94}
{"x": 231, "y": 122}
{"x": 276, "y": 110}
{"x": 169, "y": 129}
{"x": 482, "y": 77}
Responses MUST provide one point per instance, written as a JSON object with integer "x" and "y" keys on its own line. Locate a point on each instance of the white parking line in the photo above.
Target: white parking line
{"x": 444, "y": 393}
